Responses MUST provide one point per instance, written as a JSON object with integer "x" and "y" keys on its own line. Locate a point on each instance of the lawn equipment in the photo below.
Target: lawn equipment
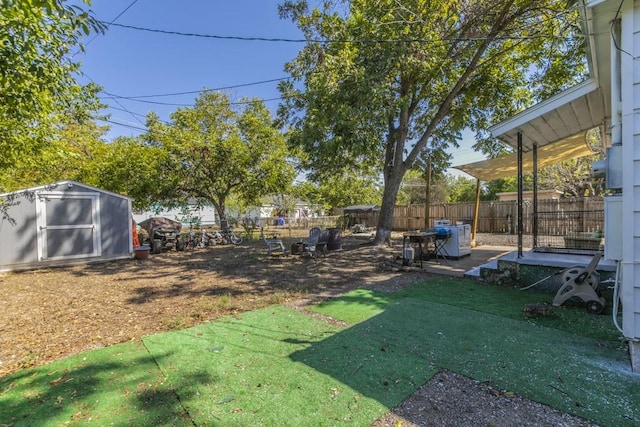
{"x": 164, "y": 234}
{"x": 582, "y": 283}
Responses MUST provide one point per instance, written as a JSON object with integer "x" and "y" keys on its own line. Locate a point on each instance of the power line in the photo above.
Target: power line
{"x": 115, "y": 100}
{"x": 249, "y": 101}
{"x": 209, "y": 36}
{"x": 124, "y": 125}
{"x": 122, "y": 13}
{"x": 126, "y": 111}
{"x": 134, "y": 114}
{"x": 108, "y": 24}
{"x": 191, "y": 92}
{"x": 325, "y": 41}
{"x": 140, "y": 98}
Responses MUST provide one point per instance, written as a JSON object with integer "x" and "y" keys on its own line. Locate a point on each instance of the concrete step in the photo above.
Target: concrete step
{"x": 486, "y": 268}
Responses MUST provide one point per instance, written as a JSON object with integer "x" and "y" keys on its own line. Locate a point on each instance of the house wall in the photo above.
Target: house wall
{"x": 205, "y": 215}
{"x": 630, "y": 287}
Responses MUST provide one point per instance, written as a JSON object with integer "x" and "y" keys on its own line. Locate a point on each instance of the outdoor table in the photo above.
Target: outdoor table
{"x": 426, "y": 238}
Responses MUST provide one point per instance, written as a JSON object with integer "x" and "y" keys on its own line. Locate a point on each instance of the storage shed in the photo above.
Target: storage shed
{"x": 63, "y": 223}
{"x": 365, "y": 215}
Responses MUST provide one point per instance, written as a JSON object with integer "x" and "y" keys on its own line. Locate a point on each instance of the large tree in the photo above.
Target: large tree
{"x": 38, "y": 73}
{"x": 219, "y": 149}
{"x": 379, "y": 82}
{"x": 74, "y": 152}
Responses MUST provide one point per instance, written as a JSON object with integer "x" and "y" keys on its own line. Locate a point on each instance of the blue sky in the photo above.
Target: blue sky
{"x": 132, "y": 63}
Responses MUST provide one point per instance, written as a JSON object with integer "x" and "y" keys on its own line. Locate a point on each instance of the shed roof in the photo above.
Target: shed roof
{"x": 361, "y": 208}
{"x": 54, "y": 185}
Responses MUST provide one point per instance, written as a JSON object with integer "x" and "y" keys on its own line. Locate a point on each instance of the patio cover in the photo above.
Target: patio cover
{"x": 558, "y": 126}
{"x": 507, "y": 166}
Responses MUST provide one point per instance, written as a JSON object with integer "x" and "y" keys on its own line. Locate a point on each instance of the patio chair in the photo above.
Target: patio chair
{"x": 314, "y": 244}
{"x": 273, "y": 245}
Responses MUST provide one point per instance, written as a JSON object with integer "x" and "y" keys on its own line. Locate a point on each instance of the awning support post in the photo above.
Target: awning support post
{"x": 535, "y": 196}
{"x": 476, "y": 210}
{"x": 520, "y": 195}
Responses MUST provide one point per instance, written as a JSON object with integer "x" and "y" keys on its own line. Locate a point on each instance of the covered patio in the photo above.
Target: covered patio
{"x": 548, "y": 133}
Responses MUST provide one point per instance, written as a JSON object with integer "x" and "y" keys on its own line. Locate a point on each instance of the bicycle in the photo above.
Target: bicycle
{"x": 231, "y": 237}
{"x": 199, "y": 240}
{"x": 228, "y": 235}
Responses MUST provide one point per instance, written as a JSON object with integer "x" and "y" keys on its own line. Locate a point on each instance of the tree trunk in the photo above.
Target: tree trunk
{"x": 385, "y": 221}
{"x": 220, "y": 209}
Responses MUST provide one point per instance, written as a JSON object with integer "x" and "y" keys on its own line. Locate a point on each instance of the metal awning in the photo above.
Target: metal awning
{"x": 507, "y": 166}
{"x": 557, "y": 125}
{"x": 567, "y": 115}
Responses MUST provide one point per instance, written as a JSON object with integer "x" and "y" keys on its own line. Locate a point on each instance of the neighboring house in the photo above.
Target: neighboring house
{"x": 192, "y": 214}
{"x": 528, "y": 195}
{"x": 269, "y": 209}
{"x": 63, "y": 223}
{"x": 609, "y": 99}
{"x": 196, "y": 215}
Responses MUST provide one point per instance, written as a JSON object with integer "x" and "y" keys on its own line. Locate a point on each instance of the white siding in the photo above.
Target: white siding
{"x": 202, "y": 216}
{"x": 630, "y": 289}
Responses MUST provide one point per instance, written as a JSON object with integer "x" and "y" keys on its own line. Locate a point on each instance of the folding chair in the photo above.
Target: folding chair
{"x": 273, "y": 245}
{"x": 313, "y": 243}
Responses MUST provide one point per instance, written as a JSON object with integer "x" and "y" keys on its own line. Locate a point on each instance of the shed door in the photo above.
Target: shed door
{"x": 68, "y": 226}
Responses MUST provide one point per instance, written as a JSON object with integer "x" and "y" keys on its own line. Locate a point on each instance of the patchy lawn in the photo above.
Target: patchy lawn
{"x": 53, "y": 313}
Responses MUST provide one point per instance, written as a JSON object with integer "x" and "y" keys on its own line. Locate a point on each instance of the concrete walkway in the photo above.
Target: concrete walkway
{"x": 487, "y": 256}
{"x": 480, "y": 255}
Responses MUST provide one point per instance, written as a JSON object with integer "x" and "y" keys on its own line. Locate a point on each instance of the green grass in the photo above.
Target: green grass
{"x": 583, "y": 376}
{"x": 500, "y": 301}
{"x": 118, "y": 385}
{"x": 276, "y": 366}
{"x": 246, "y": 374}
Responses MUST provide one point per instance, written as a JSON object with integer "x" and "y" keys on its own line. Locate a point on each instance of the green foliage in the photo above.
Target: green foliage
{"x": 573, "y": 177}
{"x": 342, "y": 190}
{"x": 130, "y": 167}
{"x": 461, "y": 189}
{"x": 504, "y": 185}
{"x": 37, "y": 73}
{"x": 71, "y": 154}
{"x": 219, "y": 149}
{"x": 382, "y": 82}
{"x": 413, "y": 188}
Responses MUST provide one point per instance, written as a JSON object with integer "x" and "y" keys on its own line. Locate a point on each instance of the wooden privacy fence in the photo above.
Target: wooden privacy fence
{"x": 555, "y": 217}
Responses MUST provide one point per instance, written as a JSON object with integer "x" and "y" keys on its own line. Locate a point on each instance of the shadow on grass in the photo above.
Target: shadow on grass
{"x": 468, "y": 294}
{"x": 119, "y": 385}
{"x": 408, "y": 336}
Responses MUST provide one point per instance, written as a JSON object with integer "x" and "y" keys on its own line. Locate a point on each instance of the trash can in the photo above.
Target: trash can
{"x": 334, "y": 241}
{"x": 297, "y": 248}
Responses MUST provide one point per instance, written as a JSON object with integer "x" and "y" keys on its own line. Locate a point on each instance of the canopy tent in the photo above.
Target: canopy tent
{"x": 358, "y": 214}
{"x": 557, "y": 127}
